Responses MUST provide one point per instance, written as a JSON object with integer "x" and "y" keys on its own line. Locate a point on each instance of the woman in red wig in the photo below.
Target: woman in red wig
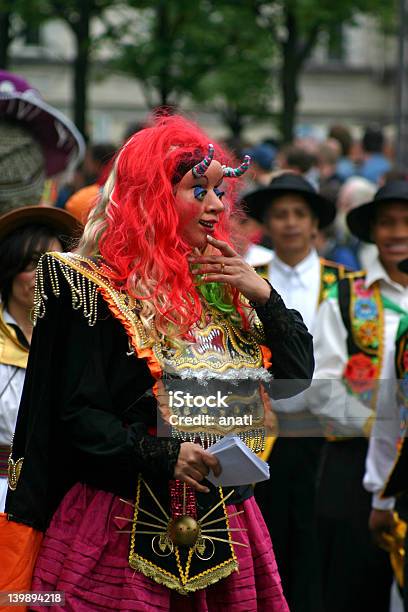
{"x": 155, "y": 306}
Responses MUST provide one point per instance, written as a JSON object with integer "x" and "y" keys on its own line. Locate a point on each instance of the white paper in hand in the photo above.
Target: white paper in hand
{"x": 240, "y": 466}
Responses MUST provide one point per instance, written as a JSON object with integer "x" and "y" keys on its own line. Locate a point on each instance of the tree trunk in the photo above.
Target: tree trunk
{"x": 289, "y": 77}
{"x": 81, "y": 66}
{"x": 5, "y": 38}
{"x": 235, "y": 122}
{"x": 162, "y": 16}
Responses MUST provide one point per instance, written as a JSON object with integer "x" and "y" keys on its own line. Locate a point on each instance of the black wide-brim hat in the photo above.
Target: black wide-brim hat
{"x": 359, "y": 220}
{"x": 65, "y": 225}
{"x": 258, "y": 201}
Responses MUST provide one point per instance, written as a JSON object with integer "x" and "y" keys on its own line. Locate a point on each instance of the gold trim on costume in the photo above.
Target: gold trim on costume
{"x": 14, "y": 470}
{"x": 327, "y": 283}
{"x": 215, "y": 343}
{"x": 183, "y": 583}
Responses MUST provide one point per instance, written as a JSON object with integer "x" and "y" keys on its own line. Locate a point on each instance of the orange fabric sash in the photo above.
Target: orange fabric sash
{"x": 19, "y": 546}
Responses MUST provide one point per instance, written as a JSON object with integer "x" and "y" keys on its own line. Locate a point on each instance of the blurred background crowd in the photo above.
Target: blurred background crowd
{"x": 304, "y": 86}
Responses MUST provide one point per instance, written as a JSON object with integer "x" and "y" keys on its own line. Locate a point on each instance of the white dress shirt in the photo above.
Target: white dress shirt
{"x": 11, "y": 387}
{"x": 298, "y": 286}
{"x": 345, "y": 412}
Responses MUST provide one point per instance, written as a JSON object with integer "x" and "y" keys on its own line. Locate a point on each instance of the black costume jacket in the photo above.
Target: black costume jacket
{"x": 86, "y": 411}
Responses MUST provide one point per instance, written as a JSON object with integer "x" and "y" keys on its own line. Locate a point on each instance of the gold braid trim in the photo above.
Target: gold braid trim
{"x": 201, "y": 581}
{"x": 332, "y": 269}
{"x": 85, "y": 280}
{"x": 13, "y": 469}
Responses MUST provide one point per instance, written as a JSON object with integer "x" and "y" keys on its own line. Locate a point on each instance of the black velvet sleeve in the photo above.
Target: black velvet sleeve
{"x": 291, "y": 345}
{"x": 86, "y": 414}
{"x": 107, "y": 408}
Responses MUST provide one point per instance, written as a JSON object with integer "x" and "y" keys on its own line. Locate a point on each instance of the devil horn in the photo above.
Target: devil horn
{"x": 239, "y": 171}
{"x": 202, "y": 167}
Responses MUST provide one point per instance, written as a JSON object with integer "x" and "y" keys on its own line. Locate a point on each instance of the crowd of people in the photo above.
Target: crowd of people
{"x": 335, "y": 216}
{"x": 165, "y": 263}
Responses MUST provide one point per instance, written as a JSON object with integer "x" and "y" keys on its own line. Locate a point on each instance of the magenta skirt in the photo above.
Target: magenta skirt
{"x": 84, "y": 555}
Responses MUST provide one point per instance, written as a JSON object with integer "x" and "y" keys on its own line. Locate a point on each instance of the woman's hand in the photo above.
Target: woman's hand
{"x": 193, "y": 465}
{"x": 231, "y": 268}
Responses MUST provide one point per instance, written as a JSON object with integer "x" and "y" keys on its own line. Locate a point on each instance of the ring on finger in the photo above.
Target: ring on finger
{"x": 222, "y": 268}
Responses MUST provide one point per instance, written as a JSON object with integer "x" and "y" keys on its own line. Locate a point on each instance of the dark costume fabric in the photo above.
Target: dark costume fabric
{"x": 348, "y": 554}
{"x": 86, "y": 429}
{"x": 287, "y": 501}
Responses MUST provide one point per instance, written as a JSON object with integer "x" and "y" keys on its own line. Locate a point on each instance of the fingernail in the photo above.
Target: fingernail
{"x": 209, "y": 237}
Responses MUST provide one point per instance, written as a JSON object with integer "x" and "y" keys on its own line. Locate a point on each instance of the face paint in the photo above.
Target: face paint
{"x": 199, "y": 205}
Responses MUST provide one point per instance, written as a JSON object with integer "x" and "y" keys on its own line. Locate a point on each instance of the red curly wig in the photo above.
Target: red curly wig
{"x": 135, "y": 227}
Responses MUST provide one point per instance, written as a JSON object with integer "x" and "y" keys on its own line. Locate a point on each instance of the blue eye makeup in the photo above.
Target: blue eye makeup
{"x": 199, "y": 193}
{"x": 218, "y": 192}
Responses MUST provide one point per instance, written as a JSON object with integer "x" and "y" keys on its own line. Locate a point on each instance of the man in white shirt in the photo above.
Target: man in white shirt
{"x": 354, "y": 340}
{"x": 292, "y": 212}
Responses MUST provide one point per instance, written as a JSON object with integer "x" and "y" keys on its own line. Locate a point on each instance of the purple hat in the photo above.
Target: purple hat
{"x": 61, "y": 142}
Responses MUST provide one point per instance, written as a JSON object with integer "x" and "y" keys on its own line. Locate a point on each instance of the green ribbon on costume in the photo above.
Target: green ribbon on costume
{"x": 403, "y": 323}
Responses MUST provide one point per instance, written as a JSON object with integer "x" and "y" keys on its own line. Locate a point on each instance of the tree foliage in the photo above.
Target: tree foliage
{"x": 240, "y": 85}
{"x": 208, "y": 51}
{"x": 228, "y": 56}
{"x": 295, "y": 26}
{"x": 78, "y": 16}
{"x": 166, "y": 49}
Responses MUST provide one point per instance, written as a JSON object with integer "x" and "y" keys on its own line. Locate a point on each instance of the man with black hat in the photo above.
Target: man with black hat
{"x": 292, "y": 212}
{"x": 355, "y": 334}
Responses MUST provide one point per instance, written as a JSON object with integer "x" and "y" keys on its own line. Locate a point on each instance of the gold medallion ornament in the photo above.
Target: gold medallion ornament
{"x": 184, "y": 531}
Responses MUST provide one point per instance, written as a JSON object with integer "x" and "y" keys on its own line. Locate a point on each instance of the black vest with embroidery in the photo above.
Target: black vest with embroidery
{"x": 363, "y": 317}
